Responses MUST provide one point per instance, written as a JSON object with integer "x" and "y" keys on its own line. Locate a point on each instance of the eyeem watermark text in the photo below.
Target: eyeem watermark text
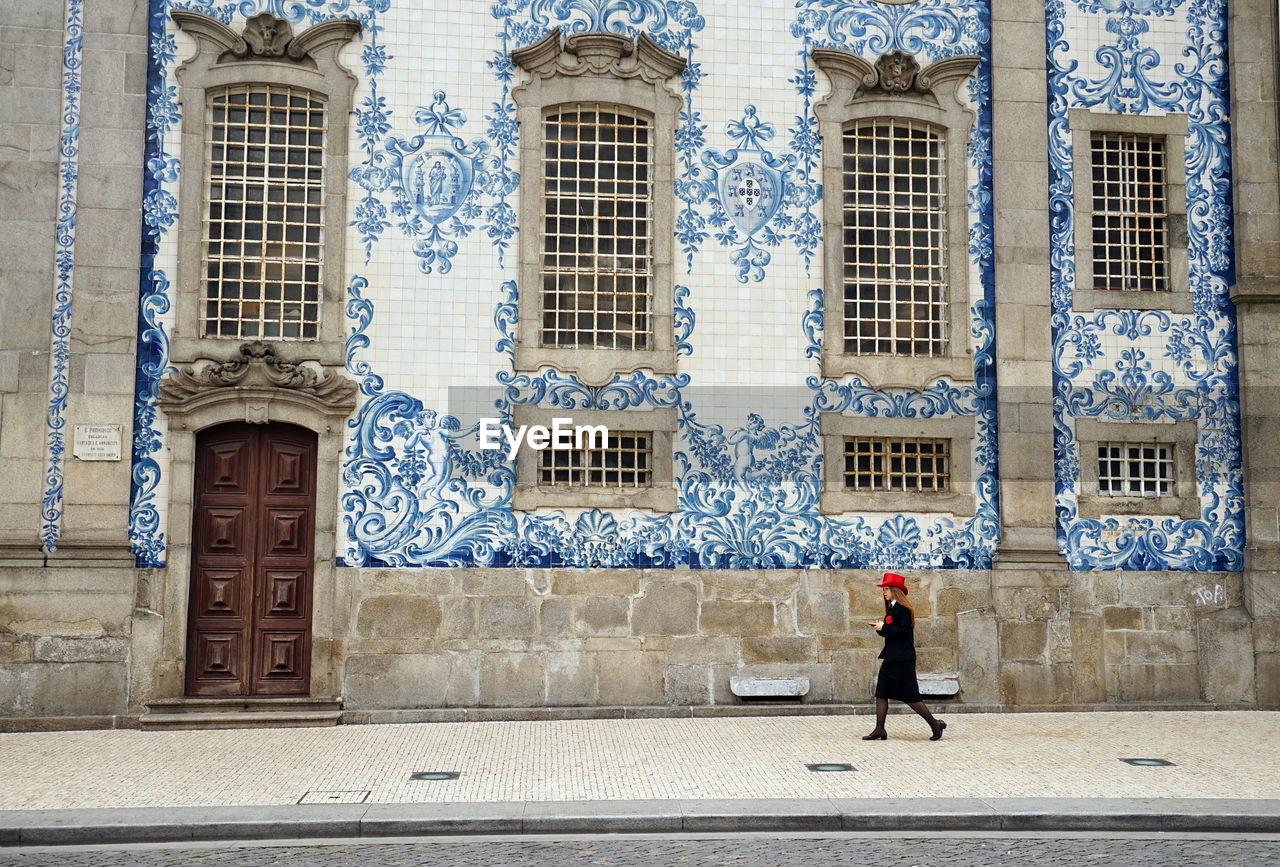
{"x": 562, "y": 434}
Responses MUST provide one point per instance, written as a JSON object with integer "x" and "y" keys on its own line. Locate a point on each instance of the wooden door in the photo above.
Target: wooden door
{"x": 253, "y": 534}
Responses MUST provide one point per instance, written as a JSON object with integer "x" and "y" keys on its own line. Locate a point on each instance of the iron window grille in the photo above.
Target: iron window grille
{"x": 897, "y": 464}
{"x": 1135, "y": 469}
{"x": 597, "y": 263}
{"x": 1130, "y": 212}
{"x": 625, "y": 461}
{"x": 895, "y": 239}
{"x": 264, "y": 238}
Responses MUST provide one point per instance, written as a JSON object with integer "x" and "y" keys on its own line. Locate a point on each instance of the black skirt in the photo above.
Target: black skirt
{"x": 897, "y": 681}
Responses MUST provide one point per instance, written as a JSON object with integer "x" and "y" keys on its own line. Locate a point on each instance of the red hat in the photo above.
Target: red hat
{"x": 893, "y": 579}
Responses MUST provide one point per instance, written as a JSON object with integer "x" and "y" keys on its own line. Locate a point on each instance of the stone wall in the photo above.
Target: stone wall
{"x": 64, "y": 645}
{"x": 67, "y": 585}
{"x": 510, "y": 638}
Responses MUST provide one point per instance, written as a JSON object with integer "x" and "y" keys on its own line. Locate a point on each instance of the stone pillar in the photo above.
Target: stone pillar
{"x": 1254, "y": 56}
{"x": 1027, "y": 572}
{"x": 1023, "y": 346}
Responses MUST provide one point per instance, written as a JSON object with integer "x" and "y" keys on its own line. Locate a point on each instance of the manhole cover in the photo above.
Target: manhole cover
{"x": 334, "y": 796}
{"x": 830, "y": 767}
{"x": 1148, "y": 763}
{"x": 435, "y": 775}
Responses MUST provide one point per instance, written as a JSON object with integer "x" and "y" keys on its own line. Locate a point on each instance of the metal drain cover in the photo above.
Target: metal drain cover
{"x": 830, "y": 767}
{"x": 435, "y": 775}
{"x": 1148, "y": 763}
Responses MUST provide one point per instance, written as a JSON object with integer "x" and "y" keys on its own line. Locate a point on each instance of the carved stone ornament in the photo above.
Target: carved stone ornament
{"x": 257, "y": 369}
{"x": 893, "y": 74}
{"x": 599, "y": 53}
{"x": 267, "y": 37}
{"x": 897, "y": 71}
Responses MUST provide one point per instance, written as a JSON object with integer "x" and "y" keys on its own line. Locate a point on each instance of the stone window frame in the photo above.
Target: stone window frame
{"x": 836, "y": 499}
{"x": 1184, "y": 502}
{"x": 265, "y": 53}
{"x": 658, "y": 496}
{"x": 896, "y": 88}
{"x": 1173, "y": 129}
{"x": 635, "y": 75}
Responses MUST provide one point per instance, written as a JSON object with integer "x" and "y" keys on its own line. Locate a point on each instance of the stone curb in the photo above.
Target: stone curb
{"x": 176, "y": 824}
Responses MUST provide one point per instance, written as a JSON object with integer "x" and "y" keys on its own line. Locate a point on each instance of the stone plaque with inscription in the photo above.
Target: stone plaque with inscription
{"x": 97, "y": 442}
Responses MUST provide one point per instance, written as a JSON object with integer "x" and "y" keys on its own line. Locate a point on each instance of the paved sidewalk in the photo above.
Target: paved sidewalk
{"x": 660, "y": 774}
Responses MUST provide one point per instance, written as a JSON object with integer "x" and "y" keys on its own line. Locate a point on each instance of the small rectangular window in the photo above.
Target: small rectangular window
{"x": 625, "y": 461}
{"x": 264, "y": 228}
{"x": 897, "y": 464}
{"x": 1130, "y": 213}
{"x": 895, "y": 239}
{"x": 597, "y": 258}
{"x": 1135, "y": 469}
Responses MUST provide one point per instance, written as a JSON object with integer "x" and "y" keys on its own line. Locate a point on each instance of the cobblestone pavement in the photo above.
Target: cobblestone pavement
{"x": 735, "y": 851}
{"x": 1048, "y": 755}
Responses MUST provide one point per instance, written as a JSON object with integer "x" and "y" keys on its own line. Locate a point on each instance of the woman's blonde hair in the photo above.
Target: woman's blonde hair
{"x": 900, "y": 596}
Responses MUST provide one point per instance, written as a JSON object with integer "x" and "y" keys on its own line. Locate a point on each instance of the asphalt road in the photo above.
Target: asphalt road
{"x": 737, "y": 851}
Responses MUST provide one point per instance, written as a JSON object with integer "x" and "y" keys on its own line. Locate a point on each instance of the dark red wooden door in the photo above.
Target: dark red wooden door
{"x": 249, "y": 629}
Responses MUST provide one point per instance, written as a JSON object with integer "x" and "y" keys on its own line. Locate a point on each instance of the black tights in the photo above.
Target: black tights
{"x": 882, "y": 711}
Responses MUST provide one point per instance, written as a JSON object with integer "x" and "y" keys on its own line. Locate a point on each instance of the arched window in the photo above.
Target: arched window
{"x": 896, "y": 262}
{"x": 264, "y": 225}
{"x": 597, "y": 256}
{"x": 598, "y": 117}
{"x": 897, "y": 290}
{"x": 262, "y": 195}
{"x": 895, "y": 238}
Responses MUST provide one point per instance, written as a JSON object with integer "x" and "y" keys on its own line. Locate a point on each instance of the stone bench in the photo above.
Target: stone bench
{"x": 747, "y": 688}
{"x": 944, "y": 685}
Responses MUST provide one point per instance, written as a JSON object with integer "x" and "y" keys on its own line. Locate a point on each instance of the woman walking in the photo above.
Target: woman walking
{"x": 897, "y": 678}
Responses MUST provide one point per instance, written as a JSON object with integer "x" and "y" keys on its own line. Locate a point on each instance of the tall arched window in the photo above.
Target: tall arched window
{"x": 895, "y": 218}
{"x": 262, "y": 196}
{"x": 264, "y": 237}
{"x": 598, "y": 116}
{"x": 895, "y": 238}
{"x": 597, "y": 259}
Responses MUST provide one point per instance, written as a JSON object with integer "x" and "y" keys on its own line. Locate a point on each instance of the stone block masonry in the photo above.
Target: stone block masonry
{"x": 672, "y": 638}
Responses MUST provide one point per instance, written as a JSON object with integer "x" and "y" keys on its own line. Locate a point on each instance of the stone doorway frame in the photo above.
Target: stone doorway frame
{"x": 258, "y": 388}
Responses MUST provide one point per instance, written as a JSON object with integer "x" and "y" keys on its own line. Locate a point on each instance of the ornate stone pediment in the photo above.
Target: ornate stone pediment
{"x": 599, "y": 53}
{"x": 893, "y": 74}
{"x": 257, "y": 372}
{"x": 267, "y": 37}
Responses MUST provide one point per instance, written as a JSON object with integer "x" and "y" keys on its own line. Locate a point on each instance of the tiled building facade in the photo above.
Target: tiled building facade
{"x": 978, "y": 291}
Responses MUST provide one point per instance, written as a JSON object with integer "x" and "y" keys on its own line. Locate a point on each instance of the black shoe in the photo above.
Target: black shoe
{"x": 876, "y": 736}
{"x": 937, "y": 735}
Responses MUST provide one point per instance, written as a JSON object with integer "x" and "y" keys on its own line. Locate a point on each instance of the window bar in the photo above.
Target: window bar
{"x": 597, "y": 228}
{"x": 899, "y": 464}
{"x": 263, "y": 228}
{"x": 624, "y": 462}
{"x": 895, "y": 239}
{"x": 1135, "y": 469}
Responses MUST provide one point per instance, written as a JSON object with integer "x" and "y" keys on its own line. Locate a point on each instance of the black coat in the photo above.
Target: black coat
{"x": 898, "y": 642}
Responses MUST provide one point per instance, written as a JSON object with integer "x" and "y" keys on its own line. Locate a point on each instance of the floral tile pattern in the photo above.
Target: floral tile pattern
{"x": 432, "y": 299}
